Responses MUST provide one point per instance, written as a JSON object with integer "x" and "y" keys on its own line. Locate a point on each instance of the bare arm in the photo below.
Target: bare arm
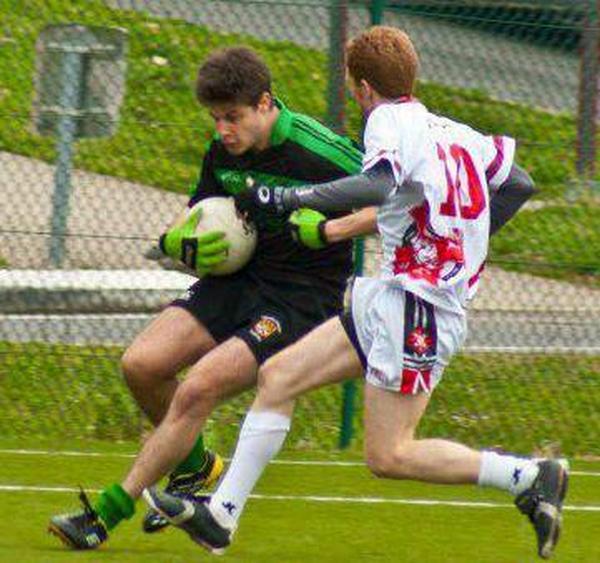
{"x": 363, "y": 222}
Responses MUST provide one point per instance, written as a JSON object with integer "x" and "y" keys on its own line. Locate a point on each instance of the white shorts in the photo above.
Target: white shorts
{"x": 405, "y": 342}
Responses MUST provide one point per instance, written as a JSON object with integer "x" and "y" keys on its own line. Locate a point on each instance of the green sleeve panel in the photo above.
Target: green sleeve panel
{"x": 320, "y": 140}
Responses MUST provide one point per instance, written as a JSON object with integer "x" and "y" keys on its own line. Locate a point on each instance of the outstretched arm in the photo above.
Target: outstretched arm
{"x": 362, "y": 190}
{"x": 352, "y": 192}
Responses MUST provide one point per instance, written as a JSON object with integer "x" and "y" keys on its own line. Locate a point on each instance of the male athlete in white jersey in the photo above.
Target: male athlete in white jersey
{"x": 431, "y": 178}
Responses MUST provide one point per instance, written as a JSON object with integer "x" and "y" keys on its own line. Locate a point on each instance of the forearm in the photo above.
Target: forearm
{"x": 362, "y": 190}
{"x": 510, "y": 197}
{"x": 363, "y": 222}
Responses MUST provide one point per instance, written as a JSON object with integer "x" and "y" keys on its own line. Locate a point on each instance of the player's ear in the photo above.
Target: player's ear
{"x": 265, "y": 103}
{"x": 366, "y": 89}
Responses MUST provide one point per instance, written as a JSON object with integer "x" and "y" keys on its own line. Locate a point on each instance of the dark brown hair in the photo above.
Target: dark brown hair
{"x": 233, "y": 75}
{"x": 386, "y": 58}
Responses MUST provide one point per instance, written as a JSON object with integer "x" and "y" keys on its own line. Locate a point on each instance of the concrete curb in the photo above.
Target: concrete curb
{"x": 89, "y": 291}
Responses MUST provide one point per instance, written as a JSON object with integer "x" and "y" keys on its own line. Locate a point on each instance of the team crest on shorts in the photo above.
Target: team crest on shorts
{"x": 419, "y": 340}
{"x": 420, "y": 345}
{"x": 265, "y": 327}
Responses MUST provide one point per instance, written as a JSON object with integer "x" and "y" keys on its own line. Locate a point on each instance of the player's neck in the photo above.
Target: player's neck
{"x": 270, "y": 119}
{"x": 379, "y": 100}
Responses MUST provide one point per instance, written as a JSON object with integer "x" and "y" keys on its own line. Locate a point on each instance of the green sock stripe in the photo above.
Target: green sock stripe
{"x": 195, "y": 460}
{"x": 114, "y": 505}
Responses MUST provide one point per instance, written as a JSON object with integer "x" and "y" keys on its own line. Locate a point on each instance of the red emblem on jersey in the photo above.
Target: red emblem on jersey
{"x": 425, "y": 254}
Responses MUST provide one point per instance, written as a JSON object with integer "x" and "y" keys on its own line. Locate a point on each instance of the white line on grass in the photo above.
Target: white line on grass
{"x": 323, "y": 463}
{"x": 324, "y": 499}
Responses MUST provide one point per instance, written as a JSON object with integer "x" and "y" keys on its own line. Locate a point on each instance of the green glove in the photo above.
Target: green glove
{"x": 200, "y": 252}
{"x": 308, "y": 228}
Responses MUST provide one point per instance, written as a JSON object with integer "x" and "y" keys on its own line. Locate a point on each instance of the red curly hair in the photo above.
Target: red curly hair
{"x": 386, "y": 58}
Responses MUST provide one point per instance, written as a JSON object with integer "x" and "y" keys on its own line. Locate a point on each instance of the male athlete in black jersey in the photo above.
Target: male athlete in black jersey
{"x": 226, "y": 327}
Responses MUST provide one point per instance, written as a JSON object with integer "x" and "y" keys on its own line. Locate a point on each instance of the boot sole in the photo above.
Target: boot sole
{"x": 547, "y": 549}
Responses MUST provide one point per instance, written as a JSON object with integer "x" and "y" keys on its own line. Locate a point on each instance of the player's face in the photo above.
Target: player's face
{"x": 243, "y": 127}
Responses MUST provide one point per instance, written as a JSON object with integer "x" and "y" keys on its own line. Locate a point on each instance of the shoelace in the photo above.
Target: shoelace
{"x": 87, "y": 506}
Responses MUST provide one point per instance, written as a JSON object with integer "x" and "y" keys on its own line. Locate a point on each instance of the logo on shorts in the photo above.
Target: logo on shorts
{"x": 419, "y": 341}
{"x": 265, "y": 327}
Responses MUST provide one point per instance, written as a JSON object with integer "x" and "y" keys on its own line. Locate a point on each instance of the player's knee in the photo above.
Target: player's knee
{"x": 194, "y": 396}
{"x": 270, "y": 387}
{"x": 140, "y": 369}
{"x": 133, "y": 367}
{"x": 379, "y": 463}
{"x": 385, "y": 461}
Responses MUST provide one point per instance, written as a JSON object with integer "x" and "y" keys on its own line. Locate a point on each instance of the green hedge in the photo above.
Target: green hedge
{"x": 519, "y": 402}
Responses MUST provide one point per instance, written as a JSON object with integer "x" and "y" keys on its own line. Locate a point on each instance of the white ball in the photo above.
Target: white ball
{"x": 220, "y": 214}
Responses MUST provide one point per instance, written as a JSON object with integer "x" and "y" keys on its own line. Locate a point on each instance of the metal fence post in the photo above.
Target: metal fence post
{"x": 589, "y": 84}
{"x": 72, "y": 68}
{"x": 349, "y": 387}
{"x": 336, "y": 96}
{"x": 376, "y": 10}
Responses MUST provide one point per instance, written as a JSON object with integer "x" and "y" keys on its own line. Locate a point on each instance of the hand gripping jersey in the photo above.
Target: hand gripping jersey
{"x": 434, "y": 224}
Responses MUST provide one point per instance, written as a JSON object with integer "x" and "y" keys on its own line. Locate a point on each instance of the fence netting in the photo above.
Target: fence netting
{"x": 77, "y": 218}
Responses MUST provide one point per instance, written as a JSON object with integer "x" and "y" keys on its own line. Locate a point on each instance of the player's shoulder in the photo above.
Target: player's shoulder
{"x": 398, "y": 113}
{"x": 314, "y": 141}
{"x": 396, "y": 123}
{"x": 401, "y": 109}
{"x": 312, "y": 131}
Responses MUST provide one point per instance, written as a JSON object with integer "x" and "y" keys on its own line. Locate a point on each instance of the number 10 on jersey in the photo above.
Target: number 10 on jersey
{"x": 466, "y": 198}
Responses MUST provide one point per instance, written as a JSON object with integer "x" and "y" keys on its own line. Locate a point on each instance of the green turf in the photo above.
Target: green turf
{"x": 523, "y": 403}
{"x": 168, "y": 130}
{"x": 557, "y": 234}
{"x": 300, "y": 529}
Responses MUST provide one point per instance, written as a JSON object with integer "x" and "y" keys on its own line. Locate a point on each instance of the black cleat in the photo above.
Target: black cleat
{"x": 188, "y": 486}
{"x": 542, "y": 503}
{"x": 193, "y": 517}
{"x": 79, "y": 530}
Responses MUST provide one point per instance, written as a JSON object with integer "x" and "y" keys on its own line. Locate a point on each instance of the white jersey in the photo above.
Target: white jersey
{"x": 434, "y": 224}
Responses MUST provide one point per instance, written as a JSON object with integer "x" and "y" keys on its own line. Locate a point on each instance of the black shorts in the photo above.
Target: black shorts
{"x": 268, "y": 317}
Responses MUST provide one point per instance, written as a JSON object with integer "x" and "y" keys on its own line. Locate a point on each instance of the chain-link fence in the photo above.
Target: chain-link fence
{"x": 78, "y": 212}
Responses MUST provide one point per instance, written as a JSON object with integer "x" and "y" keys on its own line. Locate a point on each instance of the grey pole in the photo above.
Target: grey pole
{"x": 588, "y": 96}
{"x": 72, "y": 66}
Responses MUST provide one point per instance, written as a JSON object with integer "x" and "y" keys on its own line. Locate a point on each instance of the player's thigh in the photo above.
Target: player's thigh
{"x": 225, "y": 371}
{"x": 208, "y": 313}
{"x": 174, "y": 340}
{"x": 280, "y": 315}
{"x": 391, "y": 418}
{"x": 325, "y": 355}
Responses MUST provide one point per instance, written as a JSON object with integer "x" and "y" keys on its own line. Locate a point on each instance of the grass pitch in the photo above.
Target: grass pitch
{"x": 318, "y": 512}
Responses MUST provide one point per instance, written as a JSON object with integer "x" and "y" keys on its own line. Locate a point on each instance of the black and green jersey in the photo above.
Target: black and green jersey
{"x": 302, "y": 151}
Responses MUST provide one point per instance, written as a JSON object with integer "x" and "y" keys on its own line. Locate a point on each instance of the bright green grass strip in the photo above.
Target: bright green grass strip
{"x": 567, "y": 236}
{"x": 299, "y": 530}
{"x": 519, "y": 402}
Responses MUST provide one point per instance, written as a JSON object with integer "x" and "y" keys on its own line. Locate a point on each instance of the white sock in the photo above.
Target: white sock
{"x": 261, "y": 438}
{"x": 507, "y": 472}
